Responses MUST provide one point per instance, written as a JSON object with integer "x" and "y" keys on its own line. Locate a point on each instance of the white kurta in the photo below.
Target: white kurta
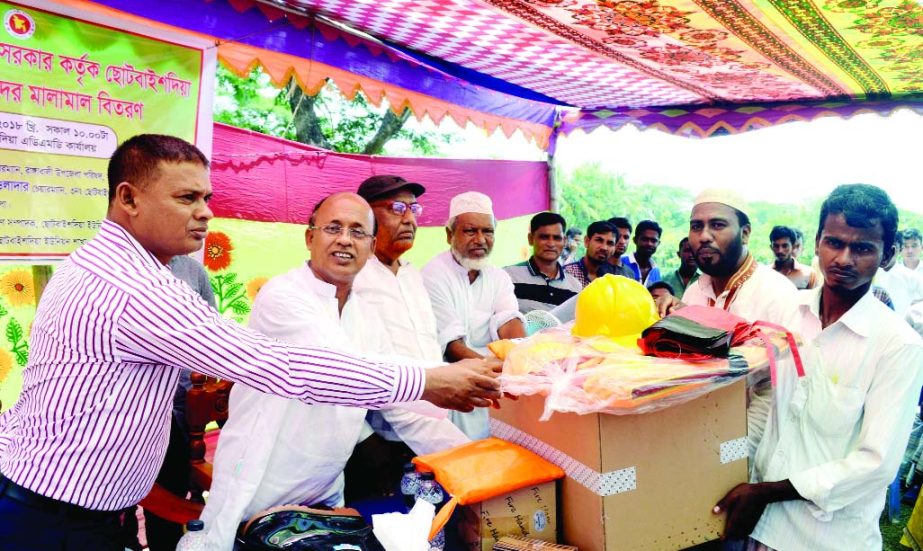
{"x": 915, "y": 317}
{"x": 470, "y": 311}
{"x": 275, "y": 451}
{"x": 767, "y": 296}
{"x": 839, "y": 433}
{"x": 402, "y": 303}
{"x": 904, "y": 286}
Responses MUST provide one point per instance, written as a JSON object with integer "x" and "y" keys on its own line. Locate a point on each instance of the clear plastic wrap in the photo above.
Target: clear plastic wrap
{"x": 597, "y": 375}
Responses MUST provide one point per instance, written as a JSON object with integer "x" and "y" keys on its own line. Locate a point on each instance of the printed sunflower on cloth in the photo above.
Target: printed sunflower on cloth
{"x": 638, "y": 363}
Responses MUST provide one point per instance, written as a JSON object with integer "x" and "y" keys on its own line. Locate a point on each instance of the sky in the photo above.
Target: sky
{"x": 786, "y": 163}
{"x": 782, "y": 164}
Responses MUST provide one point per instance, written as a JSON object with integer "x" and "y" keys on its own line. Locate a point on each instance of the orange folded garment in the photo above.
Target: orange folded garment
{"x": 483, "y": 469}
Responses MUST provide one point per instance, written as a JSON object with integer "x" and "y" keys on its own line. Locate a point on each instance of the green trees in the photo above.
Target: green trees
{"x": 326, "y": 120}
{"x": 589, "y": 193}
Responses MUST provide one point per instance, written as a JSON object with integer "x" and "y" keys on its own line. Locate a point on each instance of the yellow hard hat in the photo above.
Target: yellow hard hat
{"x": 615, "y": 307}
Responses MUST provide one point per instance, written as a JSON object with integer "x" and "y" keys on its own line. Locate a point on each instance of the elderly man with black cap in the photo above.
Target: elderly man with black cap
{"x": 392, "y": 285}
{"x": 474, "y": 301}
{"x": 394, "y": 288}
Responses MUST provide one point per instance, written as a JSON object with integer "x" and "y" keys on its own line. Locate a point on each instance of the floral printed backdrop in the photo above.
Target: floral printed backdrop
{"x": 240, "y": 256}
{"x": 17, "y": 310}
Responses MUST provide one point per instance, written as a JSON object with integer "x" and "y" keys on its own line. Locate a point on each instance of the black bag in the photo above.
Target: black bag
{"x": 300, "y": 528}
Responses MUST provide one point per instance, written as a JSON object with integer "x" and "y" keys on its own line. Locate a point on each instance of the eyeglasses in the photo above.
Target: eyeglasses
{"x": 400, "y": 208}
{"x": 357, "y": 234}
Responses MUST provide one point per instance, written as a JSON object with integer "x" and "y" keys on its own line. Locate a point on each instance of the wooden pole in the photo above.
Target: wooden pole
{"x": 40, "y": 276}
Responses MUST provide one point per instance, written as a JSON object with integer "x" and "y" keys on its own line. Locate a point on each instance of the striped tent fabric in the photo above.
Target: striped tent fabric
{"x": 690, "y": 67}
{"x": 657, "y": 53}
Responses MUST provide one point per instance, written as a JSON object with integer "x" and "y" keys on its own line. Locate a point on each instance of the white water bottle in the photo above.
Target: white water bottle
{"x": 409, "y": 484}
{"x": 430, "y": 490}
{"x": 194, "y": 538}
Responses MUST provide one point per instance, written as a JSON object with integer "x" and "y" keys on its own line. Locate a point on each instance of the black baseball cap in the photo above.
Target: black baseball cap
{"x": 384, "y": 184}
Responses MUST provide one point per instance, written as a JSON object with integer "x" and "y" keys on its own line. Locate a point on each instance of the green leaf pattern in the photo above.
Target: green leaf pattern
{"x": 16, "y": 338}
{"x": 17, "y": 345}
{"x": 13, "y": 331}
{"x": 230, "y": 296}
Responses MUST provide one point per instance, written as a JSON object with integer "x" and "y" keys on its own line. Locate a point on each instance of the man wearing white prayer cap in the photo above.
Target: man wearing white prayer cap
{"x": 719, "y": 230}
{"x": 473, "y": 301}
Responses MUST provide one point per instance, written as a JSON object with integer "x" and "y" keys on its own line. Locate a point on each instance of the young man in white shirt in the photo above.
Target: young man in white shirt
{"x": 474, "y": 301}
{"x": 903, "y": 284}
{"x": 912, "y": 244}
{"x": 835, "y": 437}
{"x": 275, "y": 451}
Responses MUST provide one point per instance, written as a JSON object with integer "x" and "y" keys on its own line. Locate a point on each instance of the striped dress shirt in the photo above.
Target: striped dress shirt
{"x": 111, "y": 334}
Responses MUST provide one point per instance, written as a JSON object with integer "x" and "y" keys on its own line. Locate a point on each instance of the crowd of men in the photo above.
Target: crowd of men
{"x": 346, "y": 347}
{"x": 543, "y": 284}
{"x": 823, "y": 446}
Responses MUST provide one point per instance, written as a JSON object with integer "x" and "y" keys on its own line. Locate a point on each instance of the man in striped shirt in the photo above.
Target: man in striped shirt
{"x": 114, "y": 327}
{"x": 540, "y": 283}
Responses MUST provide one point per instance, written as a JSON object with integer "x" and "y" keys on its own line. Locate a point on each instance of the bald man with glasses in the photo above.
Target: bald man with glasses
{"x": 276, "y": 451}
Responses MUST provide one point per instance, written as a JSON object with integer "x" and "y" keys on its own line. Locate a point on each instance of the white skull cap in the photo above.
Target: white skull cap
{"x": 470, "y": 201}
{"x": 724, "y": 196}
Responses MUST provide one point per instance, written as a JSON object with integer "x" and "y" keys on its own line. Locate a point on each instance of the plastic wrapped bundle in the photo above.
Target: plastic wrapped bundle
{"x": 597, "y": 364}
{"x": 598, "y": 375}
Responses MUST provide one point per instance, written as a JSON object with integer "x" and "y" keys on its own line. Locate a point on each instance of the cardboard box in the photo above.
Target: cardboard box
{"x": 528, "y": 512}
{"x": 513, "y": 543}
{"x": 638, "y": 482}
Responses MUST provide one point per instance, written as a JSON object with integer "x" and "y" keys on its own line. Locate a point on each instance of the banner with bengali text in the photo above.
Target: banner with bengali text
{"x": 70, "y": 92}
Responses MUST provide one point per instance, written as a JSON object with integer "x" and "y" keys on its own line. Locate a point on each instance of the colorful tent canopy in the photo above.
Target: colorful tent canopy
{"x": 693, "y": 67}
{"x": 287, "y": 45}
{"x": 701, "y": 122}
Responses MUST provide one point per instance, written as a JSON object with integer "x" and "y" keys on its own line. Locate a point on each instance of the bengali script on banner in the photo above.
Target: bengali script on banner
{"x": 70, "y": 92}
